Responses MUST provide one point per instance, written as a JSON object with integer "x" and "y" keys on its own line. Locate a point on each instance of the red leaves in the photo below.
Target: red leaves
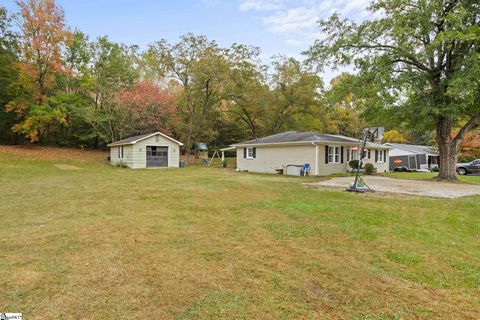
{"x": 152, "y": 107}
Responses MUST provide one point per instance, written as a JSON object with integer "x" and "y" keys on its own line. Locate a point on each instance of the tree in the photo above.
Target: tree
{"x": 470, "y": 147}
{"x": 8, "y": 76}
{"x": 426, "y": 54}
{"x": 199, "y": 66}
{"x": 394, "y": 136}
{"x": 151, "y": 108}
{"x": 43, "y": 37}
{"x": 113, "y": 69}
{"x": 295, "y": 92}
{"x": 246, "y": 92}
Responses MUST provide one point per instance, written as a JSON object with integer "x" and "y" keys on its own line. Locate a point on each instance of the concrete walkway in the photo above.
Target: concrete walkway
{"x": 425, "y": 188}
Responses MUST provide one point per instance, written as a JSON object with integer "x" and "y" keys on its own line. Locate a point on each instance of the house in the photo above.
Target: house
{"x": 151, "y": 150}
{"x": 413, "y": 157}
{"x": 325, "y": 153}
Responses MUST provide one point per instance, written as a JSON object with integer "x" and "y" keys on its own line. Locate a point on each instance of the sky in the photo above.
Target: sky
{"x": 285, "y": 27}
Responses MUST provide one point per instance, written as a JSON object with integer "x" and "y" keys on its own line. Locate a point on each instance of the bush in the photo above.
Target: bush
{"x": 436, "y": 169}
{"x": 353, "y": 164}
{"x": 224, "y": 163}
{"x": 369, "y": 168}
{"x": 122, "y": 164}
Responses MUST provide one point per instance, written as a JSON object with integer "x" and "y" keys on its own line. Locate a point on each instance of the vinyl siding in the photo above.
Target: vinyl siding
{"x": 135, "y": 155}
{"x": 269, "y": 158}
{"x": 127, "y": 155}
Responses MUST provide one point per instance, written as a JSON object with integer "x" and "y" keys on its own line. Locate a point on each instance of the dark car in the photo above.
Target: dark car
{"x": 469, "y": 168}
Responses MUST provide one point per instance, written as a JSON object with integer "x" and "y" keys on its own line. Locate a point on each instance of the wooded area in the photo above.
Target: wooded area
{"x": 417, "y": 73}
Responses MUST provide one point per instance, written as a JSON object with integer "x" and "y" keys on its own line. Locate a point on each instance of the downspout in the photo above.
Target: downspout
{"x": 316, "y": 158}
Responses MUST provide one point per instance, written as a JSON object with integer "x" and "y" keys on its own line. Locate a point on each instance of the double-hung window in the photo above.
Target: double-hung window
{"x": 379, "y": 156}
{"x": 334, "y": 154}
{"x": 250, "y": 153}
{"x": 120, "y": 152}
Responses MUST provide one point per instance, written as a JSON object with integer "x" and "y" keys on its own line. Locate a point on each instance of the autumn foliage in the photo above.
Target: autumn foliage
{"x": 151, "y": 107}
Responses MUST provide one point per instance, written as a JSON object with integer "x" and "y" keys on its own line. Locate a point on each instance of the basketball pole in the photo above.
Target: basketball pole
{"x": 367, "y": 134}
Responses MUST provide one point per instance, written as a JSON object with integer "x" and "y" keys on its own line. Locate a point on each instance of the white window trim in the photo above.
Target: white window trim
{"x": 247, "y": 153}
{"x": 335, "y": 154}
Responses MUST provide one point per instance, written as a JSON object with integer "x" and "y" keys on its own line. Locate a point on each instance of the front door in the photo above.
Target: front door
{"x": 157, "y": 156}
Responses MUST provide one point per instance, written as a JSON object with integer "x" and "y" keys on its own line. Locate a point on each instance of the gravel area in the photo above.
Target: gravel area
{"x": 411, "y": 187}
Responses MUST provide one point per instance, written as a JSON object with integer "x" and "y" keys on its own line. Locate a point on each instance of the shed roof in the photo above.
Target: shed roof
{"x": 298, "y": 137}
{"x": 414, "y": 148}
{"x": 135, "y": 139}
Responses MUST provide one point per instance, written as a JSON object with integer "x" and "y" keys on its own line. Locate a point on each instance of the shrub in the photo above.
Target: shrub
{"x": 353, "y": 164}
{"x": 465, "y": 159}
{"x": 436, "y": 169}
{"x": 369, "y": 168}
{"x": 224, "y": 163}
{"x": 122, "y": 164}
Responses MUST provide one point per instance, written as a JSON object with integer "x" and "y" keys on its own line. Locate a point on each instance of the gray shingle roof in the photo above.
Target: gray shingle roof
{"x": 300, "y": 136}
{"x": 414, "y": 148}
{"x": 134, "y": 139}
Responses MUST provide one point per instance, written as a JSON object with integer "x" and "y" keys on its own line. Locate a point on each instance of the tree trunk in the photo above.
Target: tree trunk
{"x": 447, "y": 148}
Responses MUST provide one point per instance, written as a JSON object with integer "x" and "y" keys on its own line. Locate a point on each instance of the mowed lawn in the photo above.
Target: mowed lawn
{"x": 84, "y": 240}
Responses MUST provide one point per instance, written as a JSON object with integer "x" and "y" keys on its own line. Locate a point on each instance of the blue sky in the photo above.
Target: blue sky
{"x": 276, "y": 26}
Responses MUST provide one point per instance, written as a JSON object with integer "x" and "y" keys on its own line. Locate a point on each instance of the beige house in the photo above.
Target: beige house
{"x": 325, "y": 153}
{"x": 153, "y": 150}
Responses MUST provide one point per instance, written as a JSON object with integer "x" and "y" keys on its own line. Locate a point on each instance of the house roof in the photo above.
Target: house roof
{"x": 300, "y": 137}
{"x": 135, "y": 139}
{"x": 414, "y": 148}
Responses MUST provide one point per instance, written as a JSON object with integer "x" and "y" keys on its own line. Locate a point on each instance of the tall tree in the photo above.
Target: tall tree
{"x": 8, "y": 76}
{"x": 198, "y": 65}
{"x": 113, "y": 69}
{"x": 43, "y": 37}
{"x": 294, "y": 92}
{"x": 425, "y": 53}
{"x": 247, "y": 93}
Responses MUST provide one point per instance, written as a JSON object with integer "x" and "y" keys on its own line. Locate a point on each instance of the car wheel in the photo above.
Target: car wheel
{"x": 462, "y": 171}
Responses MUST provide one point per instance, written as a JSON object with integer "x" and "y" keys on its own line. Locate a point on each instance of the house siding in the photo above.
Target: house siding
{"x": 135, "y": 156}
{"x": 269, "y": 158}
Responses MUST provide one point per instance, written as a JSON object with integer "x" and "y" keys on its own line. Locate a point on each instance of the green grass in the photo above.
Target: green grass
{"x": 426, "y": 175}
{"x": 88, "y": 240}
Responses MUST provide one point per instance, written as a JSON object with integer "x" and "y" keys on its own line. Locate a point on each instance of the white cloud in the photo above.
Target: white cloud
{"x": 296, "y": 21}
{"x": 261, "y": 5}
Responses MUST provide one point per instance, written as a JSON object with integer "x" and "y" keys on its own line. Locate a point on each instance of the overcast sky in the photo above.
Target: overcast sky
{"x": 276, "y": 26}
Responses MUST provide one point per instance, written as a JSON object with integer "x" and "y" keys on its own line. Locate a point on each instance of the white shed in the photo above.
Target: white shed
{"x": 153, "y": 150}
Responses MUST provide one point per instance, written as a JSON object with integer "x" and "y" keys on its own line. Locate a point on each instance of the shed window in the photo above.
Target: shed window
{"x": 379, "y": 156}
{"x": 251, "y": 153}
{"x": 334, "y": 154}
{"x": 120, "y": 151}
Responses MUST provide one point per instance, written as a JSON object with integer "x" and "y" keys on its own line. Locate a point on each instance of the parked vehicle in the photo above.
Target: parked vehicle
{"x": 469, "y": 168}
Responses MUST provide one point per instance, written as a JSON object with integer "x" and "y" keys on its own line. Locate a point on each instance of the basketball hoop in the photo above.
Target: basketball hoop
{"x": 368, "y": 134}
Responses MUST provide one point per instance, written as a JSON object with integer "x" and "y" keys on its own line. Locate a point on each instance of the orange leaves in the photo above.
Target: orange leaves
{"x": 43, "y": 36}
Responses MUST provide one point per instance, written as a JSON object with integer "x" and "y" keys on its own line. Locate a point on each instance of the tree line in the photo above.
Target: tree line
{"x": 59, "y": 87}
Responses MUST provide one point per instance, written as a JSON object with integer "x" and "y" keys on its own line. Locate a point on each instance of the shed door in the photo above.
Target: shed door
{"x": 157, "y": 156}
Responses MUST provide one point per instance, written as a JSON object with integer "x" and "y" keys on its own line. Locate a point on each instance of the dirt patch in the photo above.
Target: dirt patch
{"x": 66, "y": 167}
{"x": 411, "y": 187}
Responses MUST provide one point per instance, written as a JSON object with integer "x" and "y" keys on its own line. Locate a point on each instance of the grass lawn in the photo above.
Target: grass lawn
{"x": 82, "y": 239}
{"x": 426, "y": 175}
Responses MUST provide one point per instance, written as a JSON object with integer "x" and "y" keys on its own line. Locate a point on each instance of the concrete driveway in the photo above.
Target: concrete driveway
{"x": 412, "y": 187}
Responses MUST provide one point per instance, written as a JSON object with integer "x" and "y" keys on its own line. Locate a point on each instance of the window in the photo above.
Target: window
{"x": 379, "y": 156}
{"x": 334, "y": 154}
{"x": 353, "y": 154}
{"x": 120, "y": 152}
{"x": 251, "y": 153}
